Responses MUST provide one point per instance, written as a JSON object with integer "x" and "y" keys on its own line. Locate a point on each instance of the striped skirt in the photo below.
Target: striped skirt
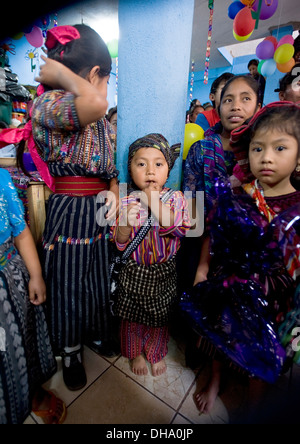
{"x": 26, "y": 356}
{"x": 146, "y": 293}
{"x": 76, "y": 255}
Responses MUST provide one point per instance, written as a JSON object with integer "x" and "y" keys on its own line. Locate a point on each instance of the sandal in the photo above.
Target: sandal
{"x": 57, "y": 410}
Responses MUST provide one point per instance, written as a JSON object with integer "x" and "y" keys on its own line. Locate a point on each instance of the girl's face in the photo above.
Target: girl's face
{"x": 238, "y": 104}
{"x": 273, "y": 156}
{"x": 149, "y": 168}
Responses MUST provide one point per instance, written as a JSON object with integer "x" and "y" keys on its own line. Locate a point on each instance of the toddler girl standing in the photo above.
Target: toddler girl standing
{"x": 147, "y": 284}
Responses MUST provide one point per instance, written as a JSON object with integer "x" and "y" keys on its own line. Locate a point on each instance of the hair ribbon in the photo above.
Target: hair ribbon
{"x": 61, "y": 34}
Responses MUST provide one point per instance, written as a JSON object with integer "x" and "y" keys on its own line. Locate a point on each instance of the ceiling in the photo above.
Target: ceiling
{"x": 287, "y": 13}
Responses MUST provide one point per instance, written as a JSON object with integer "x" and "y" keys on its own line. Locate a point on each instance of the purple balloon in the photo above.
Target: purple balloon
{"x": 265, "y": 50}
{"x": 268, "y": 8}
{"x": 234, "y": 8}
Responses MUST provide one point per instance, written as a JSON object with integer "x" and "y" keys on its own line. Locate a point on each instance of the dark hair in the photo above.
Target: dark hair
{"x": 81, "y": 55}
{"x": 253, "y": 62}
{"x": 253, "y": 84}
{"x": 287, "y": 79}
{"x": 283, "y": 118}
{"x": 223, "y": 77}
{"x": 111, "y": 112}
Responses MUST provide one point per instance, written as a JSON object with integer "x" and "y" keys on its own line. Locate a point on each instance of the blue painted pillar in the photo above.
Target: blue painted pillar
{"x": 154, "y": 56}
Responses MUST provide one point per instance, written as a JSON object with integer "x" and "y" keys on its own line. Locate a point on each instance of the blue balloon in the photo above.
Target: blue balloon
{"x": 234, "y": 8}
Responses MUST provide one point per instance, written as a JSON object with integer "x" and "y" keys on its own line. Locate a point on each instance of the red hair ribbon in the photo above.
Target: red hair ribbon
{"x": 61, "y": 34}
{"x": 15, "y": 136}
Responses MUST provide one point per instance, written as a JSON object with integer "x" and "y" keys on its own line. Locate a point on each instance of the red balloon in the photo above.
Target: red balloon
{"x": 243, "y": 23}
{"x": 273, "y": 40}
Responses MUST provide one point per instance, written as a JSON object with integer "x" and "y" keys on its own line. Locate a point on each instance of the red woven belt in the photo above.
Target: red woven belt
{"x": 79, "y": 185}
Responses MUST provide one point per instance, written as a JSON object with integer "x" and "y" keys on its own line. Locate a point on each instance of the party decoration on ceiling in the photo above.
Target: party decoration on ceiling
{"x": 275, "y": 55}
{"x": 246, "y": 15}
{"x": 192, "y": 80}
{"x": 207, "y": 55}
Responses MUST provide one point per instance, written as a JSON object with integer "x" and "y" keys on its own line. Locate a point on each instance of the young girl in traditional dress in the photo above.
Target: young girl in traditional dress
{"x": 147, "y": 284}
{"x": 71, "y": 137}
{"x": 26, "y": 356}
{"x": 245, "y": 287}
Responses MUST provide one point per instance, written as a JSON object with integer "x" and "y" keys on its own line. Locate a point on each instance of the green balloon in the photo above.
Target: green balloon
{"x": 260, "y": 65}
{"x": 112, "y": 46}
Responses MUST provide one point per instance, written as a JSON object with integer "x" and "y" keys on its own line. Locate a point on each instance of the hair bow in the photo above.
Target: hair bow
{"x": 61, "y": 34}
{"x": 15, "y": 136}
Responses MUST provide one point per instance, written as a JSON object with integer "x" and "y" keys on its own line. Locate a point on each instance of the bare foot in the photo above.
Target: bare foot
{"x": 159, "y": 368}
{"x": 139, "y": 366}
{"x": 206, "y": 398}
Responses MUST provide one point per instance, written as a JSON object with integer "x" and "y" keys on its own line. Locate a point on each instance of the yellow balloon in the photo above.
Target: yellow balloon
{"x": 192, "y": 133}
{"x": 284, "y": 53}
{"x": 240, "y": 38}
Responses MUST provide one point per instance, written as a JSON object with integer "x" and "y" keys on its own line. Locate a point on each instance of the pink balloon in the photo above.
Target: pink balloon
{"x": 286, "y": 39}
{"x": 268, "y": 8}
{"x": 35, "y": 37}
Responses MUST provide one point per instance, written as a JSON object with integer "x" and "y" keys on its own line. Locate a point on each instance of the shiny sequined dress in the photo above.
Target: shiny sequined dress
{"x": 249, "y": 288}
{"x": 26, "y": 357}
{"x": 76, "y": 246}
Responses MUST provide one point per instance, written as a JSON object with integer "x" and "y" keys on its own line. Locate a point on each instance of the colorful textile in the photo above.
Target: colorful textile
{"x": 206, "y": 163}
{"x": 160, "y": 244}
{"x": 146, "y": 293}
{"x": 60, "y": 138}
{"x": 138, "y": 338}
{"x": 12, "y": 221}
{"x": 257, "y": 193}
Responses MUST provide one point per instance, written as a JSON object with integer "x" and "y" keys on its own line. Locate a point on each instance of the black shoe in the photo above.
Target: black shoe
{"x": 108, "y": 349}
{"x": 73, "y": 370}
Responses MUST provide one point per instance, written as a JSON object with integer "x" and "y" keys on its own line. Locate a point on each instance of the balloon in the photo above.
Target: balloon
{"x": 259, "y": 67}
{"x": 247, "y": 2}
{"x": 268, "y": 68}
{"x": 286, "y": 39}
{"x": 273, "y": 40}
{"x": 243, "y": 23}
{"x": 35, "y": 37}
{"x": 241, "y": 39}
{"x": 268, "y": 8}
{"x": 18, "y": 36}
{"x": 112, "y": 46}
{"x": 284, "y": 53}
{"x": 234, "y": 8}
{"x": 192, "y": 133}
{"x": 265, "y": 50}
{"x": 286, "y": 67}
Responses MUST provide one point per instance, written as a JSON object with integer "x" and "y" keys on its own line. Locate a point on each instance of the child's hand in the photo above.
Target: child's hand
{"x": 200, "y": 277}
{"x": 37, "y": 290}
{"x": 131, "y": 215}
{"x": 50, "y": 72}
{"x": 150, "y": 194}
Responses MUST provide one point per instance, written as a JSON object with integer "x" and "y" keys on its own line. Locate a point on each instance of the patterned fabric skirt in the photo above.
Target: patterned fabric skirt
{"x": 76, "y": 255}
{"x": 26, "y": 357}
{"x": 146, "y": 293}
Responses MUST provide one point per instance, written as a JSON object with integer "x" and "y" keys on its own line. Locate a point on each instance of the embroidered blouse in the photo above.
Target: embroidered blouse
{"x": 205, "y": 163}
{"x": 68, "y": 148}
{"x": 12, "y": 221}
{"x": 160, "y": 244}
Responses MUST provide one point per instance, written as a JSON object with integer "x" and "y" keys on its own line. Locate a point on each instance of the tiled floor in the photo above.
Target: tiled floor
{"x": 114, "y": 395}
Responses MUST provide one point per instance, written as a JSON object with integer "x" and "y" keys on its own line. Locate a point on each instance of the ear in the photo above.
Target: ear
{"x": 281, "y": 95}
{"x": 211, "y": 97}
{"x": 258, "y": 107}
{"x": 93, "y": 74}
